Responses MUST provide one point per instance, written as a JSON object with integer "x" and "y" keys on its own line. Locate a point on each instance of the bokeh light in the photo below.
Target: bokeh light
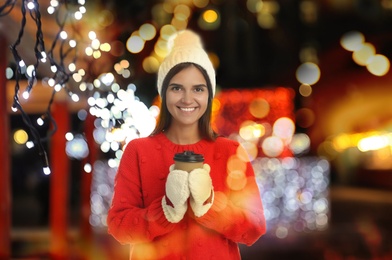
{"x": 305, "y": 90}
{"x": 294, "y": 192}
{"x": 284, "y": 128}
{"x": 352, "y": 41}
{"x": 21, "y": 136}
{"x": 363, "y": 54}
{"x": 135, "y": 44}
{"x": 259, "y": 108}
{"x": 272, "y": 146}
{"x": 378, "y": 65}
{"x": 147, "y": 31}
{"x": 308, "y": 73}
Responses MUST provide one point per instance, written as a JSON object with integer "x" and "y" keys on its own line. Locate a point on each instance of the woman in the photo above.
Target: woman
{"x": 165, "y": 213}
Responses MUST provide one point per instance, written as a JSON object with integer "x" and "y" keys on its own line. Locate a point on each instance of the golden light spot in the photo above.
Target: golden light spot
{"x": 266, "y": 20}
{"x": 200, "y": 3}
{"x": 167, "y": 31}
{"x": 249, "y": 130}
{"x": 147, "y": 31}
{"x": 209, "y": 20}
{"x": 305, "y": 117}
{"x": 259, "y": 108}
{"x": 179, "y": 24}
{"x": 97, "y": 54}
{"x": 242, "y": 153}
{"x": 150, "y": 64}
{"x": 21, "y": 136}
{"x": 247, "y": 151}
{"x": 160, "y": 48}
{"x": 362, "y": 56}
{"x": 254, "y": 6}
{"x": 214, "y": 59}
{"x": 105, "y": 47}
{"x": 216, "y": 105}
{"x": 305, "y": 90}
{"x": 105, "y": 18}
{"x": 258, "y": 130}
{"x": 182, "y": 12}
{"x": 378, "y": 65}
{"x": 246, "y": 132}
{"x": 234, "y": 163}
{"x": 236, "y": 180}
{"x": 341, "y": 142}
{"x": 210, "y": 16}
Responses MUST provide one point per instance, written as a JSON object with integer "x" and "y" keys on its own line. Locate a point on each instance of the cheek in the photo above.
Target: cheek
{"x": 204, "y": 103}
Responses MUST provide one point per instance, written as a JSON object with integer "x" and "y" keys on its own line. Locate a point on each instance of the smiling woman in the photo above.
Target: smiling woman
{"x": 168, "y": 213}
{"x": 187, "y": 98}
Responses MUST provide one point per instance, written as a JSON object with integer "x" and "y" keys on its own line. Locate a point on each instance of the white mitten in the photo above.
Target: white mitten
{"x": 202, "y": 193}
{"x": 174, "y": 203}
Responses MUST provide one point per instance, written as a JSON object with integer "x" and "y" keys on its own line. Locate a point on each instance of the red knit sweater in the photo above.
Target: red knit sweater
{"x": 136, "y": 216}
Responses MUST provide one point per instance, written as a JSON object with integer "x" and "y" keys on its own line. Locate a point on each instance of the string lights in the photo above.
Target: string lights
{"x": 56, "y": 56}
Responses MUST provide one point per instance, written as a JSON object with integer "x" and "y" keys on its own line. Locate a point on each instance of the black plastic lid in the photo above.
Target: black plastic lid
{"x": 188, "y": 156}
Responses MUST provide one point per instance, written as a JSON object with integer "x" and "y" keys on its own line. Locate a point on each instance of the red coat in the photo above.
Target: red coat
{"x": 136, "y": 216}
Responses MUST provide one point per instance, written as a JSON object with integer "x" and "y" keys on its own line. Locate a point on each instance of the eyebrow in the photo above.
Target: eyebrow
{"x": 180, "y": 85}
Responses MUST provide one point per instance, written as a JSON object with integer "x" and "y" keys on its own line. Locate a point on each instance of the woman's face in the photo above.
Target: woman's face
{"x": 187, "y": 97}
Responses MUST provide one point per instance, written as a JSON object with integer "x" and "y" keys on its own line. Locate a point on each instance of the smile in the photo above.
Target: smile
{"x": 187, "y": 109}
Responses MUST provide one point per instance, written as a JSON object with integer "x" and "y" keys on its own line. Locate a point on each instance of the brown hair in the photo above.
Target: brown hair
{"x": 165, "y": 118}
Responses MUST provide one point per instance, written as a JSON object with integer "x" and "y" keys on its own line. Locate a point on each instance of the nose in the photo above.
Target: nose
{"x": 187, "y": 97}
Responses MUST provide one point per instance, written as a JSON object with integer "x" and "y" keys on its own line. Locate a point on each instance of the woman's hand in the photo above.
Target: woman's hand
{"x": 202, "y": 193}
{"x": 174, "y": 203}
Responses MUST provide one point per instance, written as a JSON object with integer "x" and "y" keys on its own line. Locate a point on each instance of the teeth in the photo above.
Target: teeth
{"x": 187, "y": 109}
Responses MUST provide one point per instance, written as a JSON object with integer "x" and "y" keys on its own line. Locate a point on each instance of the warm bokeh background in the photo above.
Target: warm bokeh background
{"x": 304, "y": 85}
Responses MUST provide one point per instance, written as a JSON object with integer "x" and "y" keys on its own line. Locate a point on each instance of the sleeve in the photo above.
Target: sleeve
{"x": 238, "y": 213}
{"x": 128, "y": 220}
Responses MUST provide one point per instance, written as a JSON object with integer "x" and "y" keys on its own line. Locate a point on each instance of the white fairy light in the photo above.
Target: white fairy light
{"x": 30, "y": 5}
{"x": 69, "y": 136}
{"x": 92, "y": 35}
{"x": 44, "y": 56}
{"x": 63, "y": 35}
{"x": 82, "y": 9}
{"x": 46, "y": 170}
{"x": 51, "y": 82}
{"x": 26, "y": 95}
{"x": 57, "y": 87}
{"x": 40, "y": 121}
{"x": 29, "y": 144}
{"x": 51, "y": 10}
{"x": 72, "y": 43}
{"x": 75, "y": 97}
{"x": 54, "y": 3}
{"x": 72, "y": 67}
{"x": 78, "y": 15}
{"x": 87, "y": 168}
{"x": 53, "y": 68}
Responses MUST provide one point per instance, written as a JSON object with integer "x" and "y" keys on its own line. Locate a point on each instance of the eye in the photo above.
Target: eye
{"x": 199, "y": 89}
{"x": 175, "y": 88}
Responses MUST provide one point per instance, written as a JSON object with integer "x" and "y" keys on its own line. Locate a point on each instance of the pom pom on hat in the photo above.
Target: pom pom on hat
{"x": 185, "y": 46}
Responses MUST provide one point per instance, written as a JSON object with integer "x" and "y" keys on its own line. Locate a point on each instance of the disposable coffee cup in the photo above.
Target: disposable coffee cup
{"x": 188, "y": 160}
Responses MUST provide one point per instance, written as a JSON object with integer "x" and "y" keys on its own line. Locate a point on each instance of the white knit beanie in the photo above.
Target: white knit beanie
{"x": 185, "y": 46}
